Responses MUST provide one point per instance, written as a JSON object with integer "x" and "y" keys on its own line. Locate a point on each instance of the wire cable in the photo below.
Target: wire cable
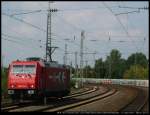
{"x": 24, "y": 22}
{"x": 121, "y": 24}
{"x": 36, "y": 11}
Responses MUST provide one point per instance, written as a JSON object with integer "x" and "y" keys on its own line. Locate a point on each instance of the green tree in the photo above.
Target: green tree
{"x": 136, "y": 72}
{"x": 100, "y": 68}
{"x": 121, "y": 67}
{"x": 115, "y": 65}
{"x": 88, "y": 72}
{"x": 137, "y": 58}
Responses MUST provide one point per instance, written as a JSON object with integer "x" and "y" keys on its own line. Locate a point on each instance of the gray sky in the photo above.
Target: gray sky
{"x": 20, "y": 40}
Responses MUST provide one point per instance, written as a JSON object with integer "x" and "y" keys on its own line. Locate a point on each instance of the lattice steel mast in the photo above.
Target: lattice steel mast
{"x": 49, "y": 48}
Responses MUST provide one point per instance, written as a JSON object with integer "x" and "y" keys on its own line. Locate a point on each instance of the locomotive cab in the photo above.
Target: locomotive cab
{"x": 22, "y": 79}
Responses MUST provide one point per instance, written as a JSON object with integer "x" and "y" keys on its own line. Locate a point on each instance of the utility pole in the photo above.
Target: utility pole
{"x": 65, "y": 57}
{"x": 76, "y": 53}
{"x": 81, "y": 57}
{"x": 2, "y": 60}
{"x": 76, "y": 63}
{"x": 71, "y": 69}
{"x": 86, "y": 62}
{"x": 94, "y": 56}
{"x": 109, "y": 68}
{"x": 135, "y": 65}
{"x": 49, "y": 48}
{"x": 109, "y": 59}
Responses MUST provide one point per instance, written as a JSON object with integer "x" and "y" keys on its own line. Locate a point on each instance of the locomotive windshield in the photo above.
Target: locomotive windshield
{"x": 17, "y": 68}
{"x": 29, "y": 69}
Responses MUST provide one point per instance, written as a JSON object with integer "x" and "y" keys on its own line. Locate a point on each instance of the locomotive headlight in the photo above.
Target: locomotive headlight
{"x": 10, "y": 91}
{"x": 30, "y": 91}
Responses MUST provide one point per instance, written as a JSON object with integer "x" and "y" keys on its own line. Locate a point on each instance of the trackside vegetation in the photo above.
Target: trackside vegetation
{"x": 136, "y": 66}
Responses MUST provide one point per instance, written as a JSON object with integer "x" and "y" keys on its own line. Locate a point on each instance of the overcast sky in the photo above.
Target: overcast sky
{"x": 99, "y": 20}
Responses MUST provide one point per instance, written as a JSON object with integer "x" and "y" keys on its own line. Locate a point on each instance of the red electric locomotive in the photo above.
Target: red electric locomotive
{"x": 34, "y": 79}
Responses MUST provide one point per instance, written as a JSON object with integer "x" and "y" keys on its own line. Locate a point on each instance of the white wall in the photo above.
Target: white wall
{"x": 144, "y": 83}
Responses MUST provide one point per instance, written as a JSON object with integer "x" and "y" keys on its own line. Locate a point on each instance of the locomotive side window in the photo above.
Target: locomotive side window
{"x": 17, "y": 69}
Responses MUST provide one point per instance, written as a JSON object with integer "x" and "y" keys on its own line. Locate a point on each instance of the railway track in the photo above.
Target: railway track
{"x": 86, "y": 97}
{"x": 75, "y": 94}
{"x": 82, "y": 102}
{"x": 112, "y": 103}
{"x": 137, "y": 104}
{"x": 10, "y": 105}
{"x": 16, "y": 106}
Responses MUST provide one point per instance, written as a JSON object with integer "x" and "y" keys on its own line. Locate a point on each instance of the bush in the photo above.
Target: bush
{"x": 136, "y": 72}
